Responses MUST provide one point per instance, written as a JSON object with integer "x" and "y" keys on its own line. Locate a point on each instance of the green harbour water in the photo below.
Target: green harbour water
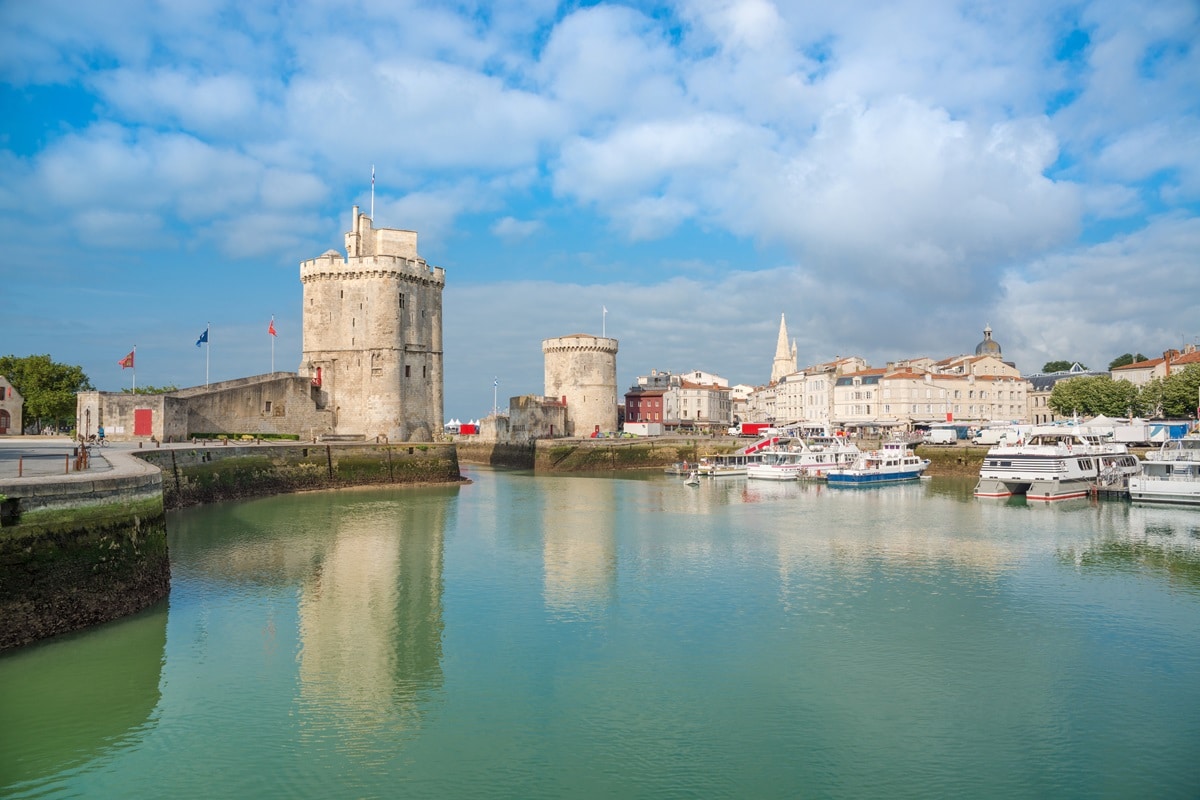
{"x": 599, "y": 636}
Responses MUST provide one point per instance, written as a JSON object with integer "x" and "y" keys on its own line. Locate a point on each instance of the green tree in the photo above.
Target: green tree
{"x": 1126, "y": 359}
{"x": 1058, "y": 366}
{"x": 48, "y": 387}
{"x": 1150, "y": 398}
{"x": 1092, "y": 395}
{"x": 1179, "y": 391}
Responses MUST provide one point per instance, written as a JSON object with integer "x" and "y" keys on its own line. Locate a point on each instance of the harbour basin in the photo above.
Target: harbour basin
{"x": 632, "y": 636}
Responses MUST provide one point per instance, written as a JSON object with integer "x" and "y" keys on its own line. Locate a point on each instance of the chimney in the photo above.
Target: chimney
{"x": 1168, "y": 356}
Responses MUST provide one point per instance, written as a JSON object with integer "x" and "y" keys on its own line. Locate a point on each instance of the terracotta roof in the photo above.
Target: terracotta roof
{"x": 1148, "y": 364}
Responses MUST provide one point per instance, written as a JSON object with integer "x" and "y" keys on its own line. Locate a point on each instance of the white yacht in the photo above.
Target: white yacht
{"x": 891, "y": 463}
{"x": 800, "y": 459}
{"x": 1055, "y": 463}
{"x": 735, "y": 464}
{"x": 1170, "y": 474}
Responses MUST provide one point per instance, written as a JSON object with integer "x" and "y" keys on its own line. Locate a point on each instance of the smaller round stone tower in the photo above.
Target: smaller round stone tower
{"x": 582, "y": 370}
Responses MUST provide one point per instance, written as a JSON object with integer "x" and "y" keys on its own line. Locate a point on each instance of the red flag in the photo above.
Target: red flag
{"x": 271, "y": 327}
{"x": 127, "y": 361}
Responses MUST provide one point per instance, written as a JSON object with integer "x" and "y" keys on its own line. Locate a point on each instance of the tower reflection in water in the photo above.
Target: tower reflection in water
{"x": 579, "y": 545}
{"x": 365, "y": 570}
{"x": 370, "y": 621}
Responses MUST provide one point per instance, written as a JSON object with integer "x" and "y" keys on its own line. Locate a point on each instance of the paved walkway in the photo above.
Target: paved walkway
{"x": 54, "y": 457}
{"x": 45, "y": 456}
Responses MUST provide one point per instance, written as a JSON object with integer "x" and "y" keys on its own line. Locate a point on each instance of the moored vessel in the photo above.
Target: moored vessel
{"x": 800, "y": 459}
{"x": 892, "y": 463}
{"x": 1170, "y": 474}
{"x": 1055, "y": 463}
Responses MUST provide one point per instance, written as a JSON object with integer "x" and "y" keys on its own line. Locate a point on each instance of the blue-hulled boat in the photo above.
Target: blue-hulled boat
{"x": 893, "y": 463}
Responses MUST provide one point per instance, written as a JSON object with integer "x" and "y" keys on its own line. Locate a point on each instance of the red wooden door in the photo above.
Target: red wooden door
{"x": 143, "y": 422}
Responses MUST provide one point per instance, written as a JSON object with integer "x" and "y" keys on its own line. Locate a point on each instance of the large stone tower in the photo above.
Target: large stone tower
{"x": 583, "y": 370}
{"x": 373, "y": 334}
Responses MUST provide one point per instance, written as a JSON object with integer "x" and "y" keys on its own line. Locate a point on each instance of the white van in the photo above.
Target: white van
{"x": 991, "y": 436}
{"x": 941, "y": 436}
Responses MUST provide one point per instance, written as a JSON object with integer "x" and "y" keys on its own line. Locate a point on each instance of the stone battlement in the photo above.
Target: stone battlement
{"x": 331, "y": 266}
{"x": 579, "y": 342}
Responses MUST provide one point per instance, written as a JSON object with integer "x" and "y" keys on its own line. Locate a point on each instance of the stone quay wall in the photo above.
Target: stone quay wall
{"x": 78, "y": 552}
{"x": 496, "y": 454}
{"x": 213, "y": 473}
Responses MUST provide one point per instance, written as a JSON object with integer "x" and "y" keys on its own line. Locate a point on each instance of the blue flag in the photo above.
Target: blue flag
{"x": 203, "y": 338}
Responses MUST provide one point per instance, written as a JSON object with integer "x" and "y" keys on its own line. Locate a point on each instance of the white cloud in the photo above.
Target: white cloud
{"x": 513, "y": 229}
{"x": 1137, "y": 292}
{"x": 226, "y": 106}
{"x": 608, "y": 62}
{"x": 423, "y": 115}
{"x": 911, "y": 163}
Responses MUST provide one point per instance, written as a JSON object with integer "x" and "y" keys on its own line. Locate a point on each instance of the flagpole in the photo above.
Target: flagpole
{"x": 207, "y": 346}
{"x": 495, "y": 396}
{"x": 603, "y": 323}
{"x": 134, "y": 367}
{"x": 272, "y": 335}
{"x": 372, "y": 193}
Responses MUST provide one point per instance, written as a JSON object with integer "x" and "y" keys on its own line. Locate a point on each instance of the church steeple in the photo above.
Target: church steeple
{"x": 785, "y": 357}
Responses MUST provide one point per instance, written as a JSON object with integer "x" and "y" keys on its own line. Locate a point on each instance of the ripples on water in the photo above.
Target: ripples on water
{"x": 593, "y": 636}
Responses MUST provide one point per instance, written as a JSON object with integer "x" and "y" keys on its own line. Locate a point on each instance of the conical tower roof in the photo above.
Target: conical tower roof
{"x": 785, "y": 356}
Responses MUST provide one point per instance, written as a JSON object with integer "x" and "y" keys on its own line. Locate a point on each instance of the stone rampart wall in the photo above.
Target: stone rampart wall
{"x": 206, "y": 474}
{"x": 282, "y": 405}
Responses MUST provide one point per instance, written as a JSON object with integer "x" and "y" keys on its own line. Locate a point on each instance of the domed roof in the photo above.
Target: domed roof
{"x": 989, "y": 346}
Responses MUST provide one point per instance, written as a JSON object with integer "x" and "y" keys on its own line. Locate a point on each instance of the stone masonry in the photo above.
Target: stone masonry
{"x": 582, "y": 369}
{"x": 373, "y": 334}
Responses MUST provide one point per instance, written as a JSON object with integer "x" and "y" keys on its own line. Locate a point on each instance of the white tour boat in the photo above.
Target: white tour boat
{"x": 802, "y": 459}
{"x": 893, "y": 463}
{"x": 1170, "y": 475}
{"x": 1055, "y": 463}
{"x": 734, "y": 465}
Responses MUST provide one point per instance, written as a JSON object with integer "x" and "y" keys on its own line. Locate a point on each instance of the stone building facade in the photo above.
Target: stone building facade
{"x": 582, "y": 370}
{"x": 373, "y": 334}
{"x": 12, "y": 406}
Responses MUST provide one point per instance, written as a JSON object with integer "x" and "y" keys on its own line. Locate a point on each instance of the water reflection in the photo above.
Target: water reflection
{"x": 370, "y": 618}
{"x": 69, "y": 700}
{"x": 579, "y": 551}
{"x": 1136, "y": 539}
{"x": 366, "y": 622}
{"x": 906, "y": 641}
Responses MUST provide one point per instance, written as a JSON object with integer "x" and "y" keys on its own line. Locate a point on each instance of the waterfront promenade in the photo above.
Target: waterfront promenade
{"x": 47, "y": 456}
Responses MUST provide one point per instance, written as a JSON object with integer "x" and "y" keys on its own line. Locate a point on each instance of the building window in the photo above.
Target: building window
{"x": 402, "y": 300}
{"x": 268, "y": 407}
{"x": 408, "y": 370}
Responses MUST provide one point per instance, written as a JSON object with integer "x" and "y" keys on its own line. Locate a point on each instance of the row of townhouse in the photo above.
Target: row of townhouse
{"x": 1142, "y": 372}
{"x": 694, "y": 400}
{"x": 846, "y": 393}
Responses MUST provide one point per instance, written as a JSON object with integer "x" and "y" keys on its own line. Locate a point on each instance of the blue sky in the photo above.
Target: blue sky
{"x": 891, "y": 176}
